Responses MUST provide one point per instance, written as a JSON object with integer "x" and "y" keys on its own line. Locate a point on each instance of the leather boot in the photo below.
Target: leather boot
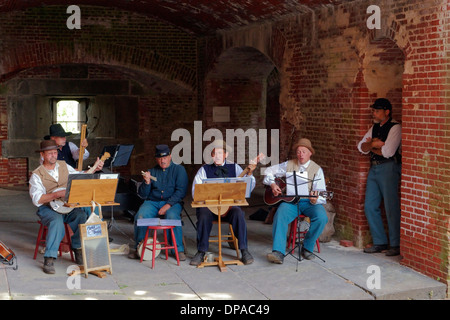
{"x": 49, "y": 268}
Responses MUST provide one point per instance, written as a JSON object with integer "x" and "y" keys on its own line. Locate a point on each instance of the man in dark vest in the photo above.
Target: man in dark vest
{"x": 313, "y": 179}
{"x": 220, "y": 168}
{"x": 67, "y": 152}
{"x": 382, "y": 144}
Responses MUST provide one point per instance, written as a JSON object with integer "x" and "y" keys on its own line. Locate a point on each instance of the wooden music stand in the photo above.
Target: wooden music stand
{"x": 218, "y": 198}
{"x": 81, "y": 194}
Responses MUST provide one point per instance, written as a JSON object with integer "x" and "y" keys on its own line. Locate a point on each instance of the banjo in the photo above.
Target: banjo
{"x": 58, "y": 204}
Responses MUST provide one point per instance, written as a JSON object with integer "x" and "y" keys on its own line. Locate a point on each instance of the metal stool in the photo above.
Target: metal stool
{"x": 230, "y": 238}
{"x": 66, "y": 242}
{"x": 164, "y": 245}
{"x": 293, "y": 234}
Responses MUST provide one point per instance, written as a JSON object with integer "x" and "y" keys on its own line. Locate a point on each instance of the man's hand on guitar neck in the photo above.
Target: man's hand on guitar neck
{"x": 251, "y": 168}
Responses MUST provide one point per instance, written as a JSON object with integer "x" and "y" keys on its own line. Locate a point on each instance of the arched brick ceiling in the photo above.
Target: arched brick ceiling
{"x": 200, "y": 17}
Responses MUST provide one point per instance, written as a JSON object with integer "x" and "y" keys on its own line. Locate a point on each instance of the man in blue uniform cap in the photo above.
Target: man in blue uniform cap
{"x": 163, "y": 190}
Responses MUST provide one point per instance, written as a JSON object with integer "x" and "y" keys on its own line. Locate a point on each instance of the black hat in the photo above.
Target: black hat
{"x": 382, "y": 103}
{"x": 162, "y": 150}
{"x": 56, "y": 130}
{"x": 47, "y": 145}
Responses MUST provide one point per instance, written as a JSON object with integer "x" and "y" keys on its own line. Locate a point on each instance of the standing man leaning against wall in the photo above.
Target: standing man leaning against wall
{"x": 382, "y": 144}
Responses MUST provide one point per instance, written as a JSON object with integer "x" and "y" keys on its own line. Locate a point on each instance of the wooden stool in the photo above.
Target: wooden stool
{"x": 164, "y": 245}
{"x": 66, "y": 242}
{"x": 230, "y": 238}
{"x": 293, "y": 234}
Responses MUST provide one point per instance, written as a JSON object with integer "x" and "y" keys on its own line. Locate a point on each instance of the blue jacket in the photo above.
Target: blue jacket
{"x": 171, "y": 185}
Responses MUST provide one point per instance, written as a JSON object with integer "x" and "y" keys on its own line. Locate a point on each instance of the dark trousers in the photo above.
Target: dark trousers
{"x": 205, "y": 218}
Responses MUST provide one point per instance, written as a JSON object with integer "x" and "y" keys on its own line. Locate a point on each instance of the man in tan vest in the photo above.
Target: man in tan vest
{"x": 310, "y": 178}
{"x": 48, "y": 182}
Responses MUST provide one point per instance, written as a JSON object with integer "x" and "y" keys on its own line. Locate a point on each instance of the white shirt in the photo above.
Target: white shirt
{"x": 201, "y": 175}
{"x": 391, "y": 144}
{"x": 279, "y": 170}
{"x": 37, "y": 189}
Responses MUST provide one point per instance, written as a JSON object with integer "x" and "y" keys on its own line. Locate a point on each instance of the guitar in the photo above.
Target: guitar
{"x": 271, "y": 200}
{"x": 58, "y": 204}
{"x": 7, "y": 256}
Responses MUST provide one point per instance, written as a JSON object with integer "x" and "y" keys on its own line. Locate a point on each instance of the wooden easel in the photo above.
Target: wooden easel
{"x": 218, "y": 198}
{"x": 82, "y": 193}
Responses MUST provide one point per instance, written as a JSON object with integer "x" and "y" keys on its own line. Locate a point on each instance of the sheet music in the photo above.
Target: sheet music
{"x": 302, "y": 184}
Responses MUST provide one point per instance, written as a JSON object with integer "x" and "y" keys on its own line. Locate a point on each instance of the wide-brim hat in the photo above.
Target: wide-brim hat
{"x": 47, "y": 145}
{"x": 56, "y": 130}
{"x": 162, "y": 150}
{"x": 382, "y": 104}
{"x": 303, "y": 142}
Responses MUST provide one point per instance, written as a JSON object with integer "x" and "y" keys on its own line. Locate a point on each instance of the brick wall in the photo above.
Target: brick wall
{"x": 158, "y": 61}
{"x": 332, "y": 68}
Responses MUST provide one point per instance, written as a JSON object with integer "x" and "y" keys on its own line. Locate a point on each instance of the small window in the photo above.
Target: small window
{"x": 70, "y": 113}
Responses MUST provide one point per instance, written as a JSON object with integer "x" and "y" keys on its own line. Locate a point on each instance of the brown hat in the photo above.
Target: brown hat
{"x": 303, "y": 142}
{"x": 48, "y": 145}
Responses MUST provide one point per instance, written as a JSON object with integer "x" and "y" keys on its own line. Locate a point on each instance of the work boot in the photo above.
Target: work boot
{"x": 49, "y": 268}
{"x": 376, "y": 248}
{"x": 246, "y": 257}
{"x": 393, "y": 251}
{"x": 308, "y": 255}
{"x": 276, "y": 257}
{"x": 133, "y": 254}
{"x": 78, "y": 256}
{"x": 198, "y": 258}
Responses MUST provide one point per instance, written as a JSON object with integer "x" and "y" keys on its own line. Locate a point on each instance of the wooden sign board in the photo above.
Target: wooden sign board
{"x": 95, "y": 248}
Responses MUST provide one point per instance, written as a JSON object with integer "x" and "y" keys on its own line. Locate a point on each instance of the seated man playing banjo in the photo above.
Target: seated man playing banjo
{"x": 220, "y": 168}
{"x": 309, "y": 206}
{"x": 48, "y": 182}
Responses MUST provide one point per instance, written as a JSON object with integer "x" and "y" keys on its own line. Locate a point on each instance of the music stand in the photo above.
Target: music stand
{"x": 121, "y": 154}
{"x": 299, "y": 238}
{"x": 218, "y": 198}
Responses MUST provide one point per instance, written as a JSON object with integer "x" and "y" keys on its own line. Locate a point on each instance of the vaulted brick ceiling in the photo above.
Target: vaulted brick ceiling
{"x": 201, "y": 17}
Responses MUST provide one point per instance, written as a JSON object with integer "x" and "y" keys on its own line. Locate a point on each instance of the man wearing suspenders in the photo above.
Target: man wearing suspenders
{"x": 382, "y": 144}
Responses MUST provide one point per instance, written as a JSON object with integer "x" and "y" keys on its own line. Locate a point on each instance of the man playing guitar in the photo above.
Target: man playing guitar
{"x": 44, "y": 184}
{"x": 308, "y": 205}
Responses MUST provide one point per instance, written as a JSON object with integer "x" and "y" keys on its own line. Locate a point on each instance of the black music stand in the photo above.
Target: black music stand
{"x": 121, "y": 154}
{"x": 299, "y": 238}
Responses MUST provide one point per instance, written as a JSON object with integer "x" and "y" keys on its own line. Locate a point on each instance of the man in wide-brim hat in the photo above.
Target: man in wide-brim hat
{"x": 67, "y": 152}
{"x": 307, "y": 173}
{"x": 48, "y": 182}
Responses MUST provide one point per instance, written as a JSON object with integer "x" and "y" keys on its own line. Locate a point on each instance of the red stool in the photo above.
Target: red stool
{"x": 293, "y": 234}
{"x": 65, "y": 243}
{"x": 164, "y": 245}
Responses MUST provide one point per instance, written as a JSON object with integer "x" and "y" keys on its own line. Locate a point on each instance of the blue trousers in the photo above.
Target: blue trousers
{"x": 205, "y": 218}
{"x": 382, "y": 184}
{"x": 54, "y": 222}
{"x": 149, "y": 209}
{"x": 287, "y": 212}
